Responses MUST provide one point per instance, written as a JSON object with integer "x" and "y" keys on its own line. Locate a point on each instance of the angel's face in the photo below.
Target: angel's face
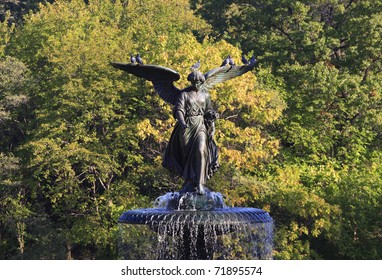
{"x": 197, "y": 84}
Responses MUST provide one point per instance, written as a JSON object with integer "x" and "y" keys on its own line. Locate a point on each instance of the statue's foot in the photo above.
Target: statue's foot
{"x": 201, "y": 189}
{"x": 192, "y": 187}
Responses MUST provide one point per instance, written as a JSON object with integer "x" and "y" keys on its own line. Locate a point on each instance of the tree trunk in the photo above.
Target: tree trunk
{"x": 20, "y": 237}
{"x": 68, "y": 251}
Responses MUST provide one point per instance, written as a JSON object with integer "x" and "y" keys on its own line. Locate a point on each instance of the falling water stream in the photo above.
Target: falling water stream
{"x": 192, "y": 226}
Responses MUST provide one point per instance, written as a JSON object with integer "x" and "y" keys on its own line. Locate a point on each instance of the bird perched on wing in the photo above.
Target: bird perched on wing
{"x": 195, "y": 66}
{"x": 139, "y": 59}
{"x": 132, "y": 59}
{"x": 252, "y": 61}
{"x": 231, "y": 62}
{"x": 225, "y": 61}
{"x": 244, "y": 60}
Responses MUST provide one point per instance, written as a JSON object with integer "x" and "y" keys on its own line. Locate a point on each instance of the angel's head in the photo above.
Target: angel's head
{"x": 196, "y": 78}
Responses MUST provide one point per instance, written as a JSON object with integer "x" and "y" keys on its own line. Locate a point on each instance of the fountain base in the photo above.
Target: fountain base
{"x": 196, "y": 226}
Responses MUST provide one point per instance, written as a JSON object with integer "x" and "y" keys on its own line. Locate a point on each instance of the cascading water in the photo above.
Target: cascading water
{"x": 193, "y": 226}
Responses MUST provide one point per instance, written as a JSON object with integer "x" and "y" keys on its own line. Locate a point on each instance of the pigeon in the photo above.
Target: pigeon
{"x": 132, "y": 59}
{"x": 226, "y": 61}
{"x": 139, "y": 59}
{"x": 252, "y": 61}
{"x": 244, "y": 60}
{"x": 231, "y": 61}
{"x": 195, "y": 66}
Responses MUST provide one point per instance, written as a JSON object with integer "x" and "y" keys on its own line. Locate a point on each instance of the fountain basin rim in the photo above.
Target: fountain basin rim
{"x": 226, "y": 215}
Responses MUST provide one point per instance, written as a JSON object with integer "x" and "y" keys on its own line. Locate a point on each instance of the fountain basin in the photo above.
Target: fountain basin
{"x": 226, "y": 215}
{"x": 194, "y": 226}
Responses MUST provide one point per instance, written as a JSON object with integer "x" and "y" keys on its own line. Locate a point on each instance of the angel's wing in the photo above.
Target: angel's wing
{"x": 161, "y": 77}
{"x": 225, "y": 73}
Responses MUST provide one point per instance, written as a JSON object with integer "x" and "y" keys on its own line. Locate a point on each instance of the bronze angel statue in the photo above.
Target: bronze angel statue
{"x": 191, "y": 151}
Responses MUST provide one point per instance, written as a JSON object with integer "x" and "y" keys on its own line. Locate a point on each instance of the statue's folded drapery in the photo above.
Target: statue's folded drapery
{"x": 191, "y": 151}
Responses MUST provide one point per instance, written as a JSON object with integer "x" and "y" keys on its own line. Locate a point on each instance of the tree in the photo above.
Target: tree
{"x": 17, "y": 9}
{"x": 5, "y": 34}
{"x": 15, "y": 84}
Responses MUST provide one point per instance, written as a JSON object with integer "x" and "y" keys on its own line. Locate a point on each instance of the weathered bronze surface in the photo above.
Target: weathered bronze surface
{"x": 191, "y": 151}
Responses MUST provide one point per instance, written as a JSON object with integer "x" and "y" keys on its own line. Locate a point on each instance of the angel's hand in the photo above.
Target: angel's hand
{"x": 184, "y": 126}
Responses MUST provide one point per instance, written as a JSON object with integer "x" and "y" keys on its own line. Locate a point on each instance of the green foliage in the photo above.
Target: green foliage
{"x": 12, "y": 11}
{"x": 15, "y": 83}
{"x": 324, "y": 57}
{"x": 5, "y": 33}
{"x": 83, "y": 142}
{"x": 98, "y": 134}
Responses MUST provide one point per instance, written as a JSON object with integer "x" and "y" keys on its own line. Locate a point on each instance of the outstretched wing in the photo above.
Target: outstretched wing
{"x": 161, "y": 77}
{"x": 225, "y": 73}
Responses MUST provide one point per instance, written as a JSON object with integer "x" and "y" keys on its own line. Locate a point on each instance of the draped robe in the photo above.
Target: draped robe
{"x": 191, "y": 152}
